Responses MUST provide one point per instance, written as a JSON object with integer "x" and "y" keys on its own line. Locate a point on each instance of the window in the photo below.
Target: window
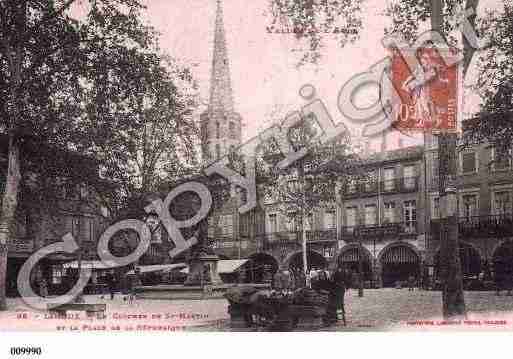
{"x": 434, "y": 169}
{"x": 226, "y": 224}
{"x": 330, "y": 219}
{"x": 57, "y": 274}
{"x": 435, "y": 208}
{"x": 388, "y": 179}
{"x": 502, "y": 203}
{"x": 410, "y": 216}
{"x": 351, "y": 186}
{"x": 389, "y": 212}
{"x": 72, "y": 191}
{"x": 291, "y": 223}
{"x": 244, "y": 224}
{"x": 500, "y": 160}
{"x": 232, "y": 130}
{"x": 409, "y": 177}
{"x": 370, "y": 215}
{"x": 293, "y": 185}
{"x": 328, "y": 252}
{"x": 75, "y": 227}
{"x": 218, "y": 130}
{"x": 351, "y": 217}
{"x": 469, "y": 206}
{"x": 89, "y": 229}
{"x": 370, "y": 181}
{"x": 211, "y": 228}
{"x": 218, "y": 151}
{"x": 468, "y": 162}
{"x": 308, "y": 222}
{"x": 84, "y": 191}
{"x": 273, "y": 223}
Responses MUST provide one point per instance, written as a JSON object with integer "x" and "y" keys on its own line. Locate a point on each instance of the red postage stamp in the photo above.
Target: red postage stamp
{"x": 428, "y": 90}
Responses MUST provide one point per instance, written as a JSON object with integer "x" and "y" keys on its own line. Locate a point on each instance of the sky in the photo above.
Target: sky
{"x": 265, "y": 78}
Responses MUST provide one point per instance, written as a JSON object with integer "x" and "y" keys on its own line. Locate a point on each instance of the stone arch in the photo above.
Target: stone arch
{"x": 260, "y": 268}
{"x": 315, "y": 260}
{"x": 399, "y": 261}
{"x": 398, "y": 244}
{"x": 348, "y": 257}
{"x": 470, "y": 259}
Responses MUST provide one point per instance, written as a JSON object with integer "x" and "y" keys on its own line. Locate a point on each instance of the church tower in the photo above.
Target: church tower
{"x": 221, "y": 127}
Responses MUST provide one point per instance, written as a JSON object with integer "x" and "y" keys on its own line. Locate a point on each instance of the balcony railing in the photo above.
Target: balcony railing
{"x": 405, "y": 184}
{"x": 21, "y": 246}
{"x": 354, "y": 233}
{"x": 480, "y": 226}
{"x": 269, "y": 240}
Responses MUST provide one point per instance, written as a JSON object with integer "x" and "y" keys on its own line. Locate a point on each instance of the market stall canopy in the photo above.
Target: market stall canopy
{"x": 91, "y": 265}
{"x": 225, "y": 266}
{"x": 159, "y": 267}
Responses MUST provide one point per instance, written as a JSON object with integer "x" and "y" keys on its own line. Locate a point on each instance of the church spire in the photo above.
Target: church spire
{"x": 221, "y": 97}
{"x": 221, "y": 126}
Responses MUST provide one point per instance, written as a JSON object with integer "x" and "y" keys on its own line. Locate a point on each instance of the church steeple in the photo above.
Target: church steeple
{"x": 221, "y": 97}
{"x": 220, "y": 124}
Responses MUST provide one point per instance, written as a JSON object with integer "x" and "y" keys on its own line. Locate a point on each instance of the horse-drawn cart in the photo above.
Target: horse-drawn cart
{"x": 277, "y": 311}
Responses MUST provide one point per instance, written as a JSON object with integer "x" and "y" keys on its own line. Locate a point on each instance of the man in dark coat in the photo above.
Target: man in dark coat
{"x": 110, "y": 284}
{"x": 341, "y": 280}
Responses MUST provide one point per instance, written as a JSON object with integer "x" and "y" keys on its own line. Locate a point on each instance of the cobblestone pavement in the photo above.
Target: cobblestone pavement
{"x": 380, "y": 309}
{"x": 400, "y": 309}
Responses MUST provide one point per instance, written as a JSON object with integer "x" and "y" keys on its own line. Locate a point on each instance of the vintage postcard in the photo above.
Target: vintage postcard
{"x": 255, "y": 166}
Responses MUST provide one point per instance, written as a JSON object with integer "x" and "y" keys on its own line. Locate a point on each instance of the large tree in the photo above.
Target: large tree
{"x": 495, "y": 84}
{"x": 92, "y": 83}
{"x": 311, "y": 183}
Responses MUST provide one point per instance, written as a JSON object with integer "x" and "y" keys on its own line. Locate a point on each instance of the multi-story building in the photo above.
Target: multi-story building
{"x": 68, "y": 206}
{"x": 485, "y": 190}
{"x": 382, "y": 218}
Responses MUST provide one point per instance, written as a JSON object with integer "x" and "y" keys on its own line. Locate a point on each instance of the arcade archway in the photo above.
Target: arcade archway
{"x": 503, "y": 260}
{"x": 314, "y": 260}
{"x": 260, "y": 268}
{"x": 398, "y": 263}
{"x": 470, "y": 261}
{"x": 349, "y": 258}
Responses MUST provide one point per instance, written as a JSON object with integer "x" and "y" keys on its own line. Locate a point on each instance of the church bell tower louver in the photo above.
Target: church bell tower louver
{"x": 221, "y": 127}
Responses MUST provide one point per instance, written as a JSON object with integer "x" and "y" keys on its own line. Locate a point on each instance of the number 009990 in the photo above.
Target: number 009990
{"x": 19, "y": 351}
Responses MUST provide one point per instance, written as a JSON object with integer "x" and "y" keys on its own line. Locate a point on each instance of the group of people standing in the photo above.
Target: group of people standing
{"x": 335, "y": 284}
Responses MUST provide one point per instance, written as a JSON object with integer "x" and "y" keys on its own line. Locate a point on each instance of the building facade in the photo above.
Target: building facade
{"x": 386, "y": 227}
{"x": 68, "y": 206}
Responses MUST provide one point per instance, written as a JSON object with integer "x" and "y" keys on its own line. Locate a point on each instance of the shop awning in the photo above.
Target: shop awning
{"x": 230, "y": 265}
{"x": 226, "y": 266}
{"x": 159, "y": 267}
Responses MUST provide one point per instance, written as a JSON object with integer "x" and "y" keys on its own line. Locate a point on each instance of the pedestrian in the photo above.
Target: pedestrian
{"x": 282, "y": 281}
{"x": 326, "y": 284}
{"x": 411, "y": 283}
{"x": 341, "y": 281}
{"x": 498, "y": 279}
{"x": 110, "y": 285}
{"x": 43, "y": 288}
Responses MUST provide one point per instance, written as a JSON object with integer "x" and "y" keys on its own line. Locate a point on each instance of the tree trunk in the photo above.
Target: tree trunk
{"x": 9, "y": 204}
{"x": 453, "y": 301}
